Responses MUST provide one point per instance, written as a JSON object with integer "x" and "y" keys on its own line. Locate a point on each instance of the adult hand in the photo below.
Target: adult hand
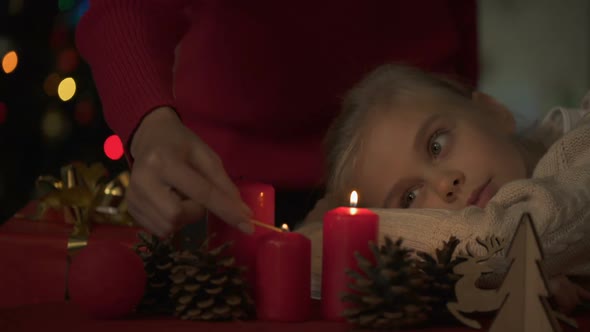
{"x": 176, "y": 177}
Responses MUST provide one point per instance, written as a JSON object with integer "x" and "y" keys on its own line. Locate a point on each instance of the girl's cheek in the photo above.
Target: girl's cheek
{"x": 448, "y": 148}
{"x": 427, "y": 201}
{"x": 422, "y": 198}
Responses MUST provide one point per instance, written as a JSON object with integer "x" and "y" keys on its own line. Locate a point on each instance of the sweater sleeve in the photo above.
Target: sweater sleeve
{"x": 129, "y": 46}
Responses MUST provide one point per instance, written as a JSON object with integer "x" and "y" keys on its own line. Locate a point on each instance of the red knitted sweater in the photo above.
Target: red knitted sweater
{"x": 260, "y": 80}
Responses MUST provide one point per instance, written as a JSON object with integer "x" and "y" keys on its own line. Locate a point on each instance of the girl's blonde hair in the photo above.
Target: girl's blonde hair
{"x": 379, "y": 89}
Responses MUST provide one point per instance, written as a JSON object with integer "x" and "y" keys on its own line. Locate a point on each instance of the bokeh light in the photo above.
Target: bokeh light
{"x": 68, "y": 60}
{"x": 51, "y": 83}
{"x": 76, "y": 14}
{"x": 84, "y": 112}
{"x": 113, "y": 147}
{"x": 3, "y": 112}
{"x": 66, "y": 4}
{"x": 66, "y": 89}
{"x": 15, "y": 7}
{"x": 9, "y": 62}
{"x": 82, "y": 8}
{"x": 55, "y": 125}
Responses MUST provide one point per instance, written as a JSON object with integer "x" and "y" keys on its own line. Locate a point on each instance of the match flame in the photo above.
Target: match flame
{"x": 285, "y": 228}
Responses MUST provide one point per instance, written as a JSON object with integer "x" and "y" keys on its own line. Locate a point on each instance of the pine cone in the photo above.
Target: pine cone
{"x": 208, "y": 286}
{"x": 156, "y": 256}
{"x": 439, "y": 269}
{"x": 388, "y": 294}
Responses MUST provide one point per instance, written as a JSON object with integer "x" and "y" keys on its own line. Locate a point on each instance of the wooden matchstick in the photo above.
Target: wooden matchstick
{"x": 261, "y": 224}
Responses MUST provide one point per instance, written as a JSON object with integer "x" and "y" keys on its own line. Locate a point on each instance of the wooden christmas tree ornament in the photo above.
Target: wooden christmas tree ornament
{"x": 525, "y": 289}
{"x": 522, "y": 297}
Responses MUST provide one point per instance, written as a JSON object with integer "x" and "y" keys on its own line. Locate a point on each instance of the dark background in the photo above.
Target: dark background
{"x": 39, "y": 133}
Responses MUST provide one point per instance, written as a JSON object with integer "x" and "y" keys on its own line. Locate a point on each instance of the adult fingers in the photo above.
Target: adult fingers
{"x": 191, "y": 211}
{"x": 164, "y": 222}
{"x": 173, "y": 209}
{"x": 179, "y": 210}
{"x": 147, "y": 217}
{"x": 208, "y": 163}
{"x": 143, "y": 199}
{"x": 198, "y": 189}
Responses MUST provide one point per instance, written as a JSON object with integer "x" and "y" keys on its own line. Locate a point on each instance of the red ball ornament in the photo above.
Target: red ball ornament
{"x": 107, "y": 280}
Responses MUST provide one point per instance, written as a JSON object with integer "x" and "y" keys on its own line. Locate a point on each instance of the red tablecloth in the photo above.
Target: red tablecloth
{"x": 65, "y": 317}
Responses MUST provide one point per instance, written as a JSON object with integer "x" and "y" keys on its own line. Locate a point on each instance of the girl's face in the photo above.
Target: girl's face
{"x": 430, "y": 154}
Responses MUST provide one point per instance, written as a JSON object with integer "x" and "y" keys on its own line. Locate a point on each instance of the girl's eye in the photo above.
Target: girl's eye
{"x": 437, "y": 143}
{"x": 408, "y": 198}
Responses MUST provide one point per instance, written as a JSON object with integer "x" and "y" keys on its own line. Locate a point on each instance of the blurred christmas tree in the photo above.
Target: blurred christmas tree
{"x": 49, "y": 109}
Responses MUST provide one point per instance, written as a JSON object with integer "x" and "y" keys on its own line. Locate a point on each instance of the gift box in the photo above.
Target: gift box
{"x": 34, "y": 255}
{"x": 37, "y": 243}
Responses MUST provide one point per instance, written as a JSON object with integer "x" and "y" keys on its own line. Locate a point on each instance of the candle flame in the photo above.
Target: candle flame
{"x": 285, "y": 227}
{"x": 354, "y": 198}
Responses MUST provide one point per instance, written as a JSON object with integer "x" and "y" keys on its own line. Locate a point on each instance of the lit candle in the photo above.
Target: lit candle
{"x": 346, "y": 230}
{"x": 283, "y": 277}
{"x": 261, "y": 200}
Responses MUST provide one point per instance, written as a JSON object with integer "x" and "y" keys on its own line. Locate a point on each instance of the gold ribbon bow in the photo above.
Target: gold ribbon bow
{"x": 86, "y": 198}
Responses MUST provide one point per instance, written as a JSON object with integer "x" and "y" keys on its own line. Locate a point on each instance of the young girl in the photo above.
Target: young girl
{"x": 435, "y": 159}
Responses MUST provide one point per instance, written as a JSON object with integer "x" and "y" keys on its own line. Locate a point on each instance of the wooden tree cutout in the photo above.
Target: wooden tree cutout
{"x": 471, "y": 298}
{"x": 522, "y": 297}
{"x": 525, "y": 307}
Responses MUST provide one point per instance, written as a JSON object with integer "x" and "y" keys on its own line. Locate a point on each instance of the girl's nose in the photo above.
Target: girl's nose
{"x": 448, "y": 184}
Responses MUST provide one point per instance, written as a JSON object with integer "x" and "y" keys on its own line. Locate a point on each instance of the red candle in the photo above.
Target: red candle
{"x": 261, "y": 199}
{"x": 346, "y": 230}
{"x": 283, "y": 277}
